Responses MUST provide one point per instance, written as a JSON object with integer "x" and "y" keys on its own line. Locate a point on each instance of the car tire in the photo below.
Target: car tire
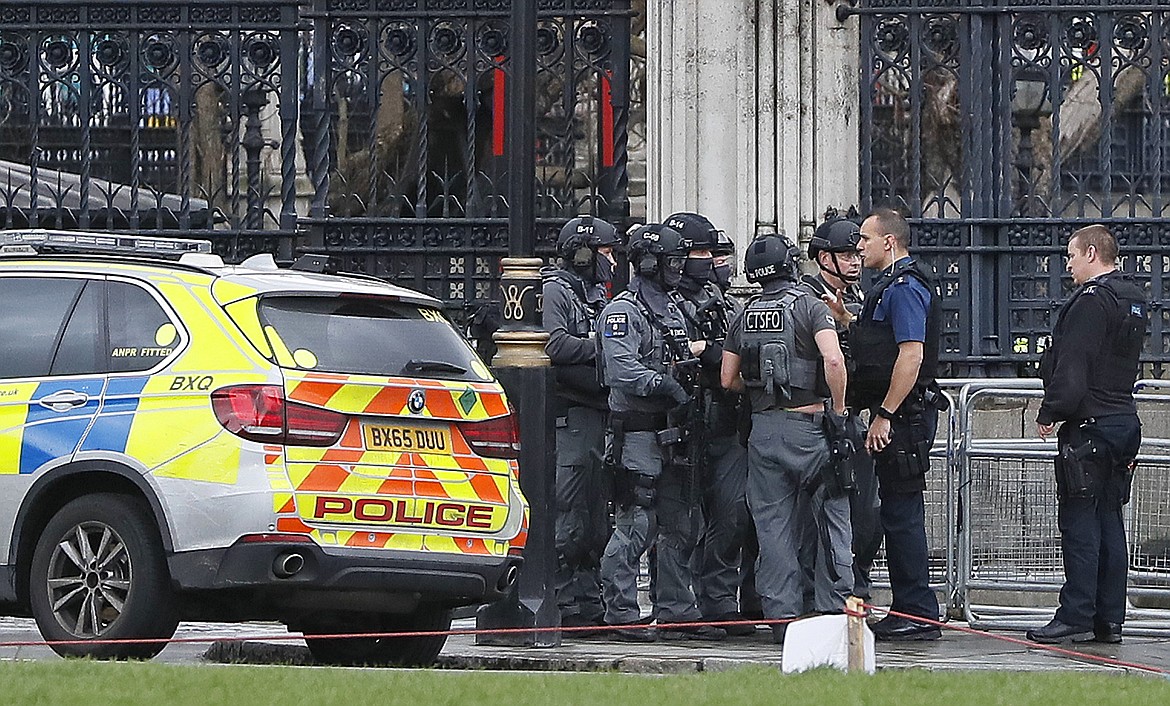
{"x": 411, "y": 651}
{"x": 99, "y": 573}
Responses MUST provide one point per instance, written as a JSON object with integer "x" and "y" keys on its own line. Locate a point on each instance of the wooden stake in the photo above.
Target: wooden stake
{"x": 856, "y": 629}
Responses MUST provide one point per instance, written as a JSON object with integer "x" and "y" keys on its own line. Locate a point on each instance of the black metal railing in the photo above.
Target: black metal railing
{"x": 1001, "y": 127}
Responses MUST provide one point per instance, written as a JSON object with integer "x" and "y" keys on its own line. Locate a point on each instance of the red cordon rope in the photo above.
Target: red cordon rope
{"x": 1026, "y": 643}
{"x": 376, "y": 635}
{"x": 588, "y": 629}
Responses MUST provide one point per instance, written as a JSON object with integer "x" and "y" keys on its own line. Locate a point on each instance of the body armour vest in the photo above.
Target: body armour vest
{"x": 873, "y": 345}
{"x": 578, "y": 383}
{"x": 1118, "y": 364}
{"x": 769, "y": 354}
{"x": 668, "y": 344}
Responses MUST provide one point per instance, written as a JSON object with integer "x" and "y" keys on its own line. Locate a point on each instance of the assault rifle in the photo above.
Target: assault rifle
{"x": 684, "y": 439}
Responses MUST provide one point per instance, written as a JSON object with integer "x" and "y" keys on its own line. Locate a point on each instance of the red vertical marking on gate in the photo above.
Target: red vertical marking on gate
{"x": 606, "y": 121}
{"x": 498, "y": 116}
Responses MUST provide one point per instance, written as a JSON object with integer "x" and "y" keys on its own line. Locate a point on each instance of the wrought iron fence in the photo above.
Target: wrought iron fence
{"x": 368, "y": 129}
{"x": 148, "y": 116}
{"x": 1001, "y": 127}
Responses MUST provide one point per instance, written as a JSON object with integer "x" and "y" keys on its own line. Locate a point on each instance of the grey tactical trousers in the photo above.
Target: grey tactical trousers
{"x": 786, "y": 453}
{"x": 669, "y": 521}
{"x": 582, "y": 524}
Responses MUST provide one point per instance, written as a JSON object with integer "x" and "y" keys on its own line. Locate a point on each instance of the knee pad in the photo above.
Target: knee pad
{"x": 643, "y": 489}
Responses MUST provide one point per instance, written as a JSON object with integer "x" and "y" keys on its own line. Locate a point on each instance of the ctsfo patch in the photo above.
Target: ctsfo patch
{"x": 763, "y": 320}
{"x": 616, "y": 325}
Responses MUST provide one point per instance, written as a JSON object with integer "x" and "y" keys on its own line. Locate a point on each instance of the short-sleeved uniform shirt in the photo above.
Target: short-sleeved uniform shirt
{"x": 906, "y": 305}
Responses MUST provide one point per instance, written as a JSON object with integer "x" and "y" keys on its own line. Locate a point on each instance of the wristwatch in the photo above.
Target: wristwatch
{"x": 883, "y": 412}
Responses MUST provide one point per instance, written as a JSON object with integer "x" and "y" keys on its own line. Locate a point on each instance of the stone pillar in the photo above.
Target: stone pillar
{"x": 753, "y": 110}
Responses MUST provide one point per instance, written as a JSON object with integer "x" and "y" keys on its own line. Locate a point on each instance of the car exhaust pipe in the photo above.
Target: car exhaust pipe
{"x": 508, "y": 577}
{"x": 288, "y": 564}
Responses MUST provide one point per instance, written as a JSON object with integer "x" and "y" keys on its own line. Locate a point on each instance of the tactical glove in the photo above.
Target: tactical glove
{"x": 669, "y": 387}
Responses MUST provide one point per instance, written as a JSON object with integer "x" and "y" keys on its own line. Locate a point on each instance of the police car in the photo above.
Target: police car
{"x": 183, "y": 439}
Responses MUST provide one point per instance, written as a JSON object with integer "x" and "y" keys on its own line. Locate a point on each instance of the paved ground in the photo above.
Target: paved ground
{"x": 955, "y": 651}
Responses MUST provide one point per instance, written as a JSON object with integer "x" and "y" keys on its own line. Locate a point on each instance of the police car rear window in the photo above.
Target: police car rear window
{"x": 32, "y": 313}
{"x": 367, "y": 335}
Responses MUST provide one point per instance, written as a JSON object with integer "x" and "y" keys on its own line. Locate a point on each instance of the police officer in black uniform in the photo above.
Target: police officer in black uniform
{"x": 643, "y": 342}
{"x": 574, "y": 293}
{"x": 895, "y": 346}
{"x": 833, "y": 248}
{"x": 783, "y": 350}
{"x": 1089, "y": 373}
{"x": 722, "y": 460}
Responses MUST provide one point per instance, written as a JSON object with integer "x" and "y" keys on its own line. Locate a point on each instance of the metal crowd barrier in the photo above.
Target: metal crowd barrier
{"x": 1009, "y": 564}
{"x": 992, "y": 534}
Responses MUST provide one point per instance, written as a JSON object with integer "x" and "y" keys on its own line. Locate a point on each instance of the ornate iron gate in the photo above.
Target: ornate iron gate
{"x": 407, "y": 143}
{"x": 1001, "y": 127}
{"x": 368, "y": 129}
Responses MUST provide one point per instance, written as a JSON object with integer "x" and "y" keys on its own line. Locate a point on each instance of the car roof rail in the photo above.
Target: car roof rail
{"x": 30, "y": 241}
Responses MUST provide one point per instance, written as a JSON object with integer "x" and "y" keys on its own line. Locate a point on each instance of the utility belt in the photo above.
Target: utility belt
{"x": 924, "y": 398}
{"x": 812, "y": 417}
{"x": 637, "y": 421}
{"x": 622, "y": 422}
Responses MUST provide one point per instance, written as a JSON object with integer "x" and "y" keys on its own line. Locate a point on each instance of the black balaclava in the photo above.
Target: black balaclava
{"x": 670, "y": 277}
{"x": 721, "y": 275}
{"x": 697, "y": 271}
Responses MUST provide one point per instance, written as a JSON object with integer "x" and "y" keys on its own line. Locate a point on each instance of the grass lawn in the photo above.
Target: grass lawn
{"x": 93, "y": 683}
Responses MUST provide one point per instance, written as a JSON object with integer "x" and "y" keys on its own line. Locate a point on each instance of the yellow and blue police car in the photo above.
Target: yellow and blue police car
{"x": 184, "y": 439}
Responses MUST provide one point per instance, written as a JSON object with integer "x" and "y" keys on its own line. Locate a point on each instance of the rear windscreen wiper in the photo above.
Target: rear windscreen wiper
{"x": 432, "y": 366}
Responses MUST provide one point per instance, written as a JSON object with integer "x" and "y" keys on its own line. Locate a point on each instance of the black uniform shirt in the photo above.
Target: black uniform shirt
{"x": 1079, "y": 339}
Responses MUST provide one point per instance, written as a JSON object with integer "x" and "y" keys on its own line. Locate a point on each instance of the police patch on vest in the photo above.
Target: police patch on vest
{"x": 765, "y": 320}
{"x": 1137, "y": 310}
{"x": 616, "y": 325}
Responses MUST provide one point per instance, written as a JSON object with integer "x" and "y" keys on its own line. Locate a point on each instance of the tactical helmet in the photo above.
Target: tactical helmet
{"x": 653, "y": 251}
{"x": 770, "y": 257}
{"x": 579, "y": 240}
{"x": 585, "y": 232}
{"x": 836, "y": 235}
{"x": 698, "y": 233}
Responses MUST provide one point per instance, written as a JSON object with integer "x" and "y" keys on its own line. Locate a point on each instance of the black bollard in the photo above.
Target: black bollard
{"x": 523, "y": 369}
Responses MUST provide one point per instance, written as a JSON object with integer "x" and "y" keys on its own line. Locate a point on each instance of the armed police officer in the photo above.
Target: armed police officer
{"x": 895, "y": 343}
{"x": 643, "y": 344}
{"x": 833, "y": 248}
{"x": 1089, "y": 373}
{"x": 723, "y": 262}
{"x": 783, "y": 349}
{"x": 720, "y": 460}
{"x": 574, "y": 293}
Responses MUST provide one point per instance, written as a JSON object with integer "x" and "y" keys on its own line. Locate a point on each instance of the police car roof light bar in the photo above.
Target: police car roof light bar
{"x": 19, "y": 242}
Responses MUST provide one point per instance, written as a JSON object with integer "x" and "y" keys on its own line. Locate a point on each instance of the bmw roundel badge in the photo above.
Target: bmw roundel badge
{"x": 416, "y": 401}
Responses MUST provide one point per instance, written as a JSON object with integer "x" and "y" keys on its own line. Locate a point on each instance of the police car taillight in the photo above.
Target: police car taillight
{"x": 496, "y": 438}
{"x": 261, "y": 413}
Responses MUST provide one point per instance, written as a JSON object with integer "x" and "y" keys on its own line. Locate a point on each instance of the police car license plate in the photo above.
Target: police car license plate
{"x": 392, "y": 437}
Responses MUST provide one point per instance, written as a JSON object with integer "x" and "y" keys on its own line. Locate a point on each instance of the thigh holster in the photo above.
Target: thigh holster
{"x": 643, "y": 488}
{"x": 1074, "y": 477}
